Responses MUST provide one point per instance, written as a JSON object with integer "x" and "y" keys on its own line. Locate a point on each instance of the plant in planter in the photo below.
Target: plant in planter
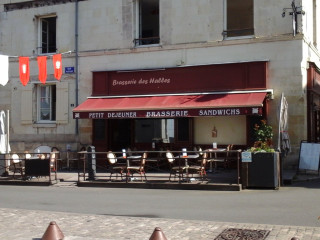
{"x": 263, "y": 170}
{"x": 263, "y": 138}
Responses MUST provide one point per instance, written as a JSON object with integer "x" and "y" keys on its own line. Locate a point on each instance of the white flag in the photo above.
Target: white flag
{"x": 4, "y": 69}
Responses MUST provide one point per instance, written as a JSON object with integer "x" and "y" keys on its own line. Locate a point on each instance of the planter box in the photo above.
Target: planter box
{"x": 264, "y": 170}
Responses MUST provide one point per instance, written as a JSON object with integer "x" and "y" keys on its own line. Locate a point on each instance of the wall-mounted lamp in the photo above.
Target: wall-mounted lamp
{"x": 295, "y": 11}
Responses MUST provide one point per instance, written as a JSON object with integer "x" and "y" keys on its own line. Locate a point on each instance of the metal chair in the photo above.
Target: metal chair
{"x": 224, "y": 159}
{"x": 54, "y": 158}
{"x": 42, "y": 151}
{"x": 139, "y": 169}
{"x": 114, "y": 167}
{"x": 17, "y": 165}
{"x": 230, "y": 157}
{"x": 201, "y": 168}
{"x": 174, "y": 169}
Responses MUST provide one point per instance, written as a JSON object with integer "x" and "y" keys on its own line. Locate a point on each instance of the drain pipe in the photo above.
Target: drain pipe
{"x": 77, "y": 58}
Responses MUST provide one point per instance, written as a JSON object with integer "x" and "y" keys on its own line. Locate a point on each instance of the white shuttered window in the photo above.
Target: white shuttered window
{"x": 46, "y": 104}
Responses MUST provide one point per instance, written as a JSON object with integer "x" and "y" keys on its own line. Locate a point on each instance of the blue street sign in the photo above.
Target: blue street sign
{"x": 69, "y": 70}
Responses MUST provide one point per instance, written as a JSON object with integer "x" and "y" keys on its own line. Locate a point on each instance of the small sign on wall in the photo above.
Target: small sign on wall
{"x": 246, "y": 156}
{"x": 69, "y": 70}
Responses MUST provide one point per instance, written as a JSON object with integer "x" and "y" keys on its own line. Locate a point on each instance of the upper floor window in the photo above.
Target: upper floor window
{"x": 45, "y": 104}
{"x": 239, "y": 18}
{"x": 47, "y": 34}
{"x": 46, "y": 98}
{"x": 147, "y": 13}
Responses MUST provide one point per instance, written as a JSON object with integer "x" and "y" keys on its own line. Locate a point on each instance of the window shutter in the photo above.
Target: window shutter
{"x": 26, "y": 105}
{"x": 62, "y": 103}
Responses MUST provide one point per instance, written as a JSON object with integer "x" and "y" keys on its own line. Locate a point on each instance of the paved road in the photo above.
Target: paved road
{"x": 297, "y": 205}
{"x": 31, "y": 225}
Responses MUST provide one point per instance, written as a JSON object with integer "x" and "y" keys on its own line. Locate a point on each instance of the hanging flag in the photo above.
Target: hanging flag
{"x": 24, "y": 70}
{"x": 4, "y": 70}
{"x": 42, "y": 64}
{"x": 57, "y": 66}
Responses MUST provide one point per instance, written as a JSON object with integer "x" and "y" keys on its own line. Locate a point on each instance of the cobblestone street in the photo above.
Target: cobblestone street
{"x": 31, "y": 225}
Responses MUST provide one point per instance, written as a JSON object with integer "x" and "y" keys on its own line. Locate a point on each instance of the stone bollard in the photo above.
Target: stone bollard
{"x": 157, "y": 234}
{"x": 53, "y": 232}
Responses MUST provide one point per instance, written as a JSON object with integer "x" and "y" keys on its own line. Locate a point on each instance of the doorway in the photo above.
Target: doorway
{"x": 120, "y": 134}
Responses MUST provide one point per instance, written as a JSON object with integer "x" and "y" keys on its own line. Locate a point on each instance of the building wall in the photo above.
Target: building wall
{"x": 190, "y": 34}
{"x": 235, "y": 133}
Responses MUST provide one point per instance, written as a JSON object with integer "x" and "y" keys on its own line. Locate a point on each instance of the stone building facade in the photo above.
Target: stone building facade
{"x": 134, "y": 35}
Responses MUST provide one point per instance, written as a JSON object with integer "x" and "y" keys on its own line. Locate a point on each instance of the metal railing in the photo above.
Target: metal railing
{"x": 24, "y": 166}
{"x": 157, "y": 165}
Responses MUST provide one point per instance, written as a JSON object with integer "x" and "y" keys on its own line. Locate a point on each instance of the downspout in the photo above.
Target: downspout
{"x": 77, "y": 59}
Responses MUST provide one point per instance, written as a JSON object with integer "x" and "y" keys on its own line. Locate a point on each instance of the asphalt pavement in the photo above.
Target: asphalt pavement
{"x": 19, "y": 223}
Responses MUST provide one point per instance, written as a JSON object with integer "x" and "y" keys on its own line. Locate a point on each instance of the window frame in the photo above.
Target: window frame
{"x": 225, "y": 24}
{"x": 40, "y": 47}
{"x": 159, "y": 127}
{"x": 52, "y": 98}
{"x": 138, "y": 22}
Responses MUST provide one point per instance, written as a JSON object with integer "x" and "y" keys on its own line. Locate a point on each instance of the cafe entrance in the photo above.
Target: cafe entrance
{"x": 150, "y": 133}
{"x": 119, "y": 133}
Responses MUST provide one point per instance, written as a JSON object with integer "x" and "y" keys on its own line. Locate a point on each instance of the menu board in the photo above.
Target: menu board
{"x": 309, "y": 156}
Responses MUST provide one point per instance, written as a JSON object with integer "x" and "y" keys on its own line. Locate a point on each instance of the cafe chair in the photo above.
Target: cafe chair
{"x": 54, "y": 158}
{"x": 42, "y": 152}
{"x": 17, "y": 165}
{"x": 174, "y": 169}
{"x": 231, "y": 157}
{"x": 129, "y": 152}
{"x": 200, "y": 151}
{"x": 224, "y": 160}
{"x": 139, "y": 169}
{"x": 114, "y": 167}
{"x": 82, "y": 158}
{"x": 201, "y": 168}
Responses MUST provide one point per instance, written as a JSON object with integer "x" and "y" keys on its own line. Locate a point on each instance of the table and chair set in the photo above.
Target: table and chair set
{"x": 173, "y": 166}
{"x": 182, "y": 166}
{"x": 41, "y": 162}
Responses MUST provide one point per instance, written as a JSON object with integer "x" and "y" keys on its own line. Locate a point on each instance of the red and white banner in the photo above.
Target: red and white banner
{"x": 57, "y": 66}
{"x": 42, "y": 64}
{"x": 24, "y": 70}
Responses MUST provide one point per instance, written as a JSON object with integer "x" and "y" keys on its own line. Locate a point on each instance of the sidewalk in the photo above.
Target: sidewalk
{"x": 31, "y": 225}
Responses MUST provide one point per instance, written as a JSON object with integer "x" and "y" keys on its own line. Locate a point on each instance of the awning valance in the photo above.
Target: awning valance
{"x": 171, "y": 106}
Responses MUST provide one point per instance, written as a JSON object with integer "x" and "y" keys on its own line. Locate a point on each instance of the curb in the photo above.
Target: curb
{"x": 173, "y": 186}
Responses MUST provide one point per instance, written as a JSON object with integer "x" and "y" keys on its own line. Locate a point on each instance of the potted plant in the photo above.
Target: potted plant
{"x": 263, "y": 138}
{"x": 263, "y": 170}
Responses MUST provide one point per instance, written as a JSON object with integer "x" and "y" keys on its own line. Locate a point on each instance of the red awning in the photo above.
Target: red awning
{"x": 171, "y": 106}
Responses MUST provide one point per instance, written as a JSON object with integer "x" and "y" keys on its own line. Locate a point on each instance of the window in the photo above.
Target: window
{"x": 183, "y": 130}
{"x": 99, "y": 126}
{"x": 239, "y": 18}
{"x": 149, "y": 130}
{"x": 46, "y": 99}
{"x": 45, "y": 103}
{"x": 147, "y": 22}
{"x": 47, "y": 35}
